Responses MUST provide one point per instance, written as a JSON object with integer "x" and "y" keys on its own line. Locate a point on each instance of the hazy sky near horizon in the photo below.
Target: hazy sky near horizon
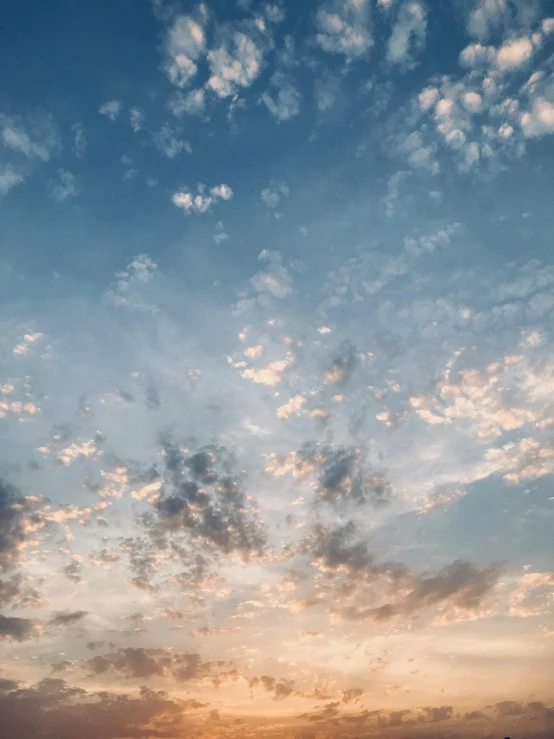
{"x": 277, "y": 369}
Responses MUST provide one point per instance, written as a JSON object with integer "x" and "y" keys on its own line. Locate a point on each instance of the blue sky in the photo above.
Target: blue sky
{"x": 276, "y": 371}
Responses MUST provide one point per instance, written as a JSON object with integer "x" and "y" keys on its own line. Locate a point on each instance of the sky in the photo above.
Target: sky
{"x": 277, "y": 369}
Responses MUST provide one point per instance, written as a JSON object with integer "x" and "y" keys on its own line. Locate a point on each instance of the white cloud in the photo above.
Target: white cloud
{"x": 190, "y": 103}
{"x": 65, "y": 186}
{"x": 127, "y": 290}
{"x": 294, "y": 406}
{"x": 220, "y": 233}
{"x": 274, "y": 12}
{"x": 235, "y": 64}
{"x": 271, "y": 196}
{"x": 514, "y": 53}
{"x": 485, "y": 17}
{"x": 271, "y": 374}
{"x": 28, "y": 340}
{"x": 167, "y": 140}
{"x": 203, "y": 200}
{"x": 325, "y": 92}
{"x": 532, "y": 595}
{"x": 41, "y": 143}
{"x": 254, "y": 352}
{"x": 393, "y": 192}
{"x": 9, "y": 178}
{"x": 136, "y": 119}
{"x": 473, "y": 102}
{"x": 186, "y": 41}
{"x": 285, "y": 104}
{"x": 408, "y": 34}
{"x": 111, "y": 109}
{"x": 538, "y": 121}
{"x": 344, "y": 27}
{"x": 428, "y": 98}
{"x": 222, "y": 191}
{"x": 79, "y": 140}
{"x": 275, "y": 280}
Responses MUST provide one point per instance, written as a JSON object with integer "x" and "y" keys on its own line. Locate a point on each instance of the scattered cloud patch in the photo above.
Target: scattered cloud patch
{"x": 64, "y": 186}
{"x": 203, "y": 199}
{"x": 111, "y": 109}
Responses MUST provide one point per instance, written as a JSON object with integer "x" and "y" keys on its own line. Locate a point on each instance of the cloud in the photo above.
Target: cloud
{"x": 140, "y": 663}
{"x": 234, "y": 65}
{"x": 17, "y": 592}
{"x": 79, "y": 140}
{"x": 284, "y": 104}
{"x": 220, "y": 233}
{"x": 203, "y": 200}
{"x": 52, "y": 706}
{"x": 17, "y": 518}
{"x": 185, "y": 42}
{"x": 408, "y": 34}
{"x": 204, "y": 499}
{"x": 280, "y": 689}
{"x": 539, "y": 120}
{"x": 64, "y": 187}
{"x": 111, "y": 109}
{"x": 136, "y": 119}
{"x": 532, "y": 594}
{"x": 190, "y": 103}
{"x": 36, "y": 139}
{"x": 344, "y": 27}
{"x": 343, "y": 476}
{"x": 64, "y": 619}
{"x": 17, "y": 629}
{"x": 393, "y": 192}
{"x": 130, "y": 284}
{"x": 293, "y": 406}
{"x": 9, "y": 178}
{"x": 271, "y": 196}
{"x": 168, "y": 142}
{"x": 275, "y": 279}
{"x": 485, "y": 17}
{"x": 358, "y": 588}
{"x": 269, "y": 374}
{"x": 325, "y": 91}
{"x": 514, "y": 53}
{"x": 342, "y": 365}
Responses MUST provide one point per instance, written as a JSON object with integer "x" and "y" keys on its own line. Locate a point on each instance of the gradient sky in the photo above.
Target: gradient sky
{"x": 276, "y": 369}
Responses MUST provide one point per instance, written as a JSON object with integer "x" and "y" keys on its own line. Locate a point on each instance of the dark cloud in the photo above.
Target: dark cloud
{"x": 52, "y": 708}
{"x": 73, "y": 571}
{"x": 14, "y": 509}
{"x": 18, "y": 593}
{"x": 69, "y": 617}
{"x": 459, "y": 585}
{"x": 280, "y": 688}
{"x": 343, "y": 475}
{"x": 474, "y": 716}
{"x": 394, "y": 719}
{"x": 141, "y": 663}
{"x": 351, "y": 695}
{"x": 509, "y": 708}
{"x": 93, "y": 645}
{"x": 153, "y": 400}
{"x": 329, "y": 712}
{"x": 18, "y": 629}
{"x": 352, "y": 573}
{"x": 202, "y": 498}
{"x": 342, "y": 364}
{"x": 434, "y": 715}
